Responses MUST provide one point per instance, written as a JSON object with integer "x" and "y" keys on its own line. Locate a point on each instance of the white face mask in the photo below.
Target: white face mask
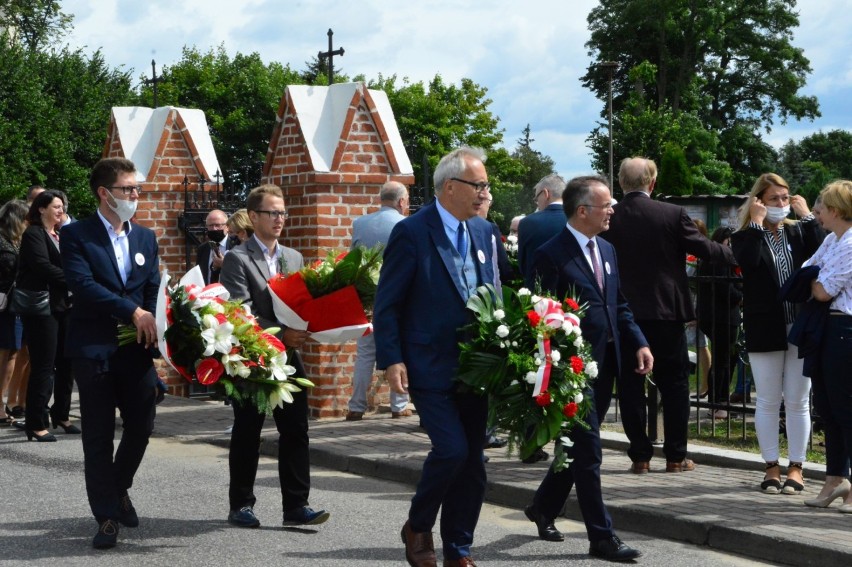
{"x": 124, "y": 208}
{"x": 777, "y": 214}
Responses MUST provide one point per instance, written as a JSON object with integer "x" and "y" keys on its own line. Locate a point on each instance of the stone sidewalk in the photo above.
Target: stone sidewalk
{"x": 718, "y": 504}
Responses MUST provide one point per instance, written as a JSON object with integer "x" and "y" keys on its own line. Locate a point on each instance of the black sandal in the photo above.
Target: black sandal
{"x": 791, "y": 486}
{"x": 771, "y": 485}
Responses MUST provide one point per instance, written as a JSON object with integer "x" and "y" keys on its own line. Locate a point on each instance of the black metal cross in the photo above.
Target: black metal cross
{"x": 330, "y": 55}
{"x": 154, "y": 80}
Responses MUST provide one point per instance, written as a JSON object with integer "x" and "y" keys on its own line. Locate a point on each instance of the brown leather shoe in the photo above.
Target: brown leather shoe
{"x": 354, "y": 416}
{"x": 685, "y": 465}
{"x": 640, "y": 467}
{"x": 403, "y": 413}
{"x": 461, "y": 562}
{"x": 419, "y": 548}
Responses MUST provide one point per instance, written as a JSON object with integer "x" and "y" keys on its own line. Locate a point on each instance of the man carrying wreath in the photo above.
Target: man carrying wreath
{"x": 576, "y": 262}
{"x": 433, "y": 263}
{"x": 245, "y": 272}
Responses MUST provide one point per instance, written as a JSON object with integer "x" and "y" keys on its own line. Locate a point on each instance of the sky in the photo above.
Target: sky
{"x": 529, "y": 55}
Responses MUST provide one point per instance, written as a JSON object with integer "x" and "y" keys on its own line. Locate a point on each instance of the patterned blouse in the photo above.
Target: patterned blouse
{"x": 783, "y": 256}
{"x": 834, "y": 258}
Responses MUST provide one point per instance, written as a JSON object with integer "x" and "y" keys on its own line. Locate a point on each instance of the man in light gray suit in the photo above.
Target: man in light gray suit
{"x": 245, "y": 271}
{"x": 368, "y": 231}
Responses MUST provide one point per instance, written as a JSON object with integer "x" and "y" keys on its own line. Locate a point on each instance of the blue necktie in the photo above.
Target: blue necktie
{"x": 461, "y": 241}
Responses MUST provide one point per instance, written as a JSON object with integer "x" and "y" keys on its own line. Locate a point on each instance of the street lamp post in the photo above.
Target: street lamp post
{"x": 610, "y": 66}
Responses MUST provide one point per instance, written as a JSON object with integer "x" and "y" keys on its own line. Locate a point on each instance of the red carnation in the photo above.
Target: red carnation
{"x": 209, "y": 371}
{"x": 534, "y": 318}
{"x": 570, "y": 409}
{"x": 577, "y": 364}
{"x": 572, "y": 304}
{"x": 543, "y": 399}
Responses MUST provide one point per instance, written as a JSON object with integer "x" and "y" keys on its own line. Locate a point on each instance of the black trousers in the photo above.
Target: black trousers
{"x": 50, "y": 372}
{"x": 723, "y": 359}
{"x": 671, "y": 375}
{"x": 293, "y": 454}
{"x": 126, "y": 381}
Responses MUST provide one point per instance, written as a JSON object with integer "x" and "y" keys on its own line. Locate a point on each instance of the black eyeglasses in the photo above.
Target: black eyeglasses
{"x": 607, "y": 206}
{"x": 126, "y": 189}
{"x": 480, "y": 187}
{"x": 274, "y": 214}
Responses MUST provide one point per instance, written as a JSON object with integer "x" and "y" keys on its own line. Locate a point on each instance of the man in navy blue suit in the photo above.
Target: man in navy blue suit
{"x": 433, "y": 263}
{"x": 539, "y": 227}
{"x": 112, "y": 269}
{"x": 577, "y": 261}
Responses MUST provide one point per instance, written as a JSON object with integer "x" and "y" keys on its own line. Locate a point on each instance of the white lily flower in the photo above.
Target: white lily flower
{"x": 502, "y": 331}
{"x": 279, "y": 396}
{"x": 218, "y": 336}
{"x": 592, "y": 369}
{"x": 279, "y": 367}
{"x": 566, "y": 441}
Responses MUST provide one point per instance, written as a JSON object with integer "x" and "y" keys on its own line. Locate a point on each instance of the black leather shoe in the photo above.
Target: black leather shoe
{"x": 127, "y": 513}
{"x": 546, "y": 530}
{"x": 539, "y": 455}
{"x": 495, "y": 442}
{"x": 107, "y": 535}
{"x": 613, "y": 549}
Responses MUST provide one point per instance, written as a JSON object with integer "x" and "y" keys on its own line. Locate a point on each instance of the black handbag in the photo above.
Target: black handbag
{"x": 31, "y": 303}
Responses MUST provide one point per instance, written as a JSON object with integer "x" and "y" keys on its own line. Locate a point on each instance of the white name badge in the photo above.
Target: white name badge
{"x": 607, "y": 268}
{"x": 481, "y": 255}
{"x": 140, "y": 259}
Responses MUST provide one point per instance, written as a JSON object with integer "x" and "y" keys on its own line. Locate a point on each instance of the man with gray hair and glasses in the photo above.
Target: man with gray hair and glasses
{"x": 539, "y": 227}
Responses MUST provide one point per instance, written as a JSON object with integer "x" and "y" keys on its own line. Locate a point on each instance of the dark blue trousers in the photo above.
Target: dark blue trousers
{"x": 453, "y": 476}
{"x": 127, "y": 382}
{"x": 835, "y": 364}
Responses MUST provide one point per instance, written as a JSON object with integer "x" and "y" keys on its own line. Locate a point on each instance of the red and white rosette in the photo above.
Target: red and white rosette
{"x": 552, "y": 316}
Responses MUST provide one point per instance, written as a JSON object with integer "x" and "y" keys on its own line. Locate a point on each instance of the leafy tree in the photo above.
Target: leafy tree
{"x": 54, "y": 110}
{"x": 240, "y": 98}
{"x": 729, "y": 63}
{"x": 34, "y": 23}
{"x": 808, "y": 165}
{"x": 674, "y": 177}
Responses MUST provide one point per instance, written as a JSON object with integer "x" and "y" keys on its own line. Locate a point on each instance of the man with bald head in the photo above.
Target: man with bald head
{"x": 369, "y": 231}
{"x": 211, "y": 253}
{"x": 652, "y": 239}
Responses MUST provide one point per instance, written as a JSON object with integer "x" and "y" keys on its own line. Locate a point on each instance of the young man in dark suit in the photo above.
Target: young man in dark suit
{"x": 436, "y": 259}
{"x": 245, "y": 271}
{"x": 577, "y": 261}
{"x": 112, "y": 269}
{"x": 652, "y": 240}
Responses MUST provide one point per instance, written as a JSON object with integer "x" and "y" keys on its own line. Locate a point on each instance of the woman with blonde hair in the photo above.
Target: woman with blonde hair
{"x": 832, "y": 387}
{"x": 239, "y": 225}
{"x": 769, "y": 247}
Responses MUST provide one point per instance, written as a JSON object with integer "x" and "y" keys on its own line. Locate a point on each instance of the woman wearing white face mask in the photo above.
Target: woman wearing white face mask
{"x": 769, "y": 247}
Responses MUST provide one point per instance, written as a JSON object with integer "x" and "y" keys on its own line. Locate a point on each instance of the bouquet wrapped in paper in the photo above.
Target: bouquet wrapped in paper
{"x": 527, "y": 353}
{"x": 332, "y": 299}
{"x": 206, "y": 337}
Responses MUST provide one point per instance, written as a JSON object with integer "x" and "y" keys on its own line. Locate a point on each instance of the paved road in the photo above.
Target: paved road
{"x": 181, "y": 497}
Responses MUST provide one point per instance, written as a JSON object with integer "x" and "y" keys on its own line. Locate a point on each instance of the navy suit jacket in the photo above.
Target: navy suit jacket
{"x": 420, "y": 300}
{"x": 101, "y": 301}
{"x": 562, "y": 267}
{"x": 536, "y": 229}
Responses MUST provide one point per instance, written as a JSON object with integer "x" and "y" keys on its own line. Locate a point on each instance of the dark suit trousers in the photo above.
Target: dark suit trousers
{"x": 127, "y": 382}
{"x": 453, "y": 475}
{"x": 293, "y": 455}
{"x": 671, "y": 375}
{"x": 723, "y": 360}
{"x": 585, "y": 469}
{"x": 50, "y": 371}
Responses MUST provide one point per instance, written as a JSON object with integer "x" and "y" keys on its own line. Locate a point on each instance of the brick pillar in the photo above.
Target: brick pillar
{"x": 322, "y": 206}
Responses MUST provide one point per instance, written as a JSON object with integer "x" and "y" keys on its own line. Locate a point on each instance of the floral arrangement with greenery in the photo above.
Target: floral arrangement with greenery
{"x": 527, "y": 353}
{"x": 206, "y": 337}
